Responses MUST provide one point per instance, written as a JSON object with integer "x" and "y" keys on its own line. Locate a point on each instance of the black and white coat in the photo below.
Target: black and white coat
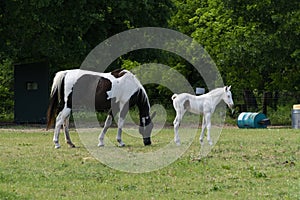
{"x": 114, "y": 92}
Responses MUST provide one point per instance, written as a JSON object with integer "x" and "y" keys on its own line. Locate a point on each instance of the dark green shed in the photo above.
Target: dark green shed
{"x": 31, "y": 88}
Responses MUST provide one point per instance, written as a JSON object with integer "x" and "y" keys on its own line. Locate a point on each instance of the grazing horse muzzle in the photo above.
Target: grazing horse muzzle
{"x": 147, "y": 141}
{"x": 146, "y": 133}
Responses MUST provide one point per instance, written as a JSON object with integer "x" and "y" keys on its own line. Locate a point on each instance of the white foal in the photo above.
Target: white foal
{"x": 204, "y": 104}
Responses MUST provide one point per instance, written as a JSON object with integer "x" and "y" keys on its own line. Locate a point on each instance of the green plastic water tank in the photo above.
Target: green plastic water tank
{"x": 252, "y": 120}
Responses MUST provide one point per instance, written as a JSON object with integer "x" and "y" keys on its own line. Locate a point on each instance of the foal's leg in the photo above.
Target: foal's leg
{"x": 66, "y": 129}
{"x": 176, "y": 124}
{"x": 203, "y": 130}
{"x": 208, "y": 126}
{"x": 107, "y": 124}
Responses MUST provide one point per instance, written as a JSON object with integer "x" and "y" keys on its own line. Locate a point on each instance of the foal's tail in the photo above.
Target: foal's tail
{"x": 174, "y": 96}
{"x": 55, "y": 97}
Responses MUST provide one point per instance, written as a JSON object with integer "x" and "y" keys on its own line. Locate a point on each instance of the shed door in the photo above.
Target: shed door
{"x": 31, "y": 92}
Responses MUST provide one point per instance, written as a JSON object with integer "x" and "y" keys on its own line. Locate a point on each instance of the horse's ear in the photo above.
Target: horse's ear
{"x": 227, "y": 88}
{"x": 153, "y": 115}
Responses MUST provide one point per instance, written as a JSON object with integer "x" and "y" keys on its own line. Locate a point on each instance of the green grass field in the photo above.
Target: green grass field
{"x": 244, "y": 164}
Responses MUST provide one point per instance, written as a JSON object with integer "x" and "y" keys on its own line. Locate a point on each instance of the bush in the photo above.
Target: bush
{"x": 6, "y": 90}
{"x": 282, "y": 116}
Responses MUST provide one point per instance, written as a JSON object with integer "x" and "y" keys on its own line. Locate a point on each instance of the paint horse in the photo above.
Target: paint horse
{"x": 115, "y": 91}
{"x": 204, "y": 104}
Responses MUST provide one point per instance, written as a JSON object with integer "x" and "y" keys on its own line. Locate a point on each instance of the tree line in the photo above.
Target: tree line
{"x": 255, "y": 44}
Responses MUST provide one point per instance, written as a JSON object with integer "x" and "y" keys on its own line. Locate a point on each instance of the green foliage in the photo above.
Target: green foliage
{"x": 66, "y": 31}
{"x": 152, "y": 89}
{"x": 129, "y": 65}
{"x": 6, "y": 93}
{"x": 255, "y": 44}
{"x": 281, "y": 116}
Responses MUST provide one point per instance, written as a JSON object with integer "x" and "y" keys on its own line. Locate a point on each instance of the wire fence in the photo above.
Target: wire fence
{"x": 257, "y": 99}
{"x": 251, "y": 100}
{"x": 277, "y": 105}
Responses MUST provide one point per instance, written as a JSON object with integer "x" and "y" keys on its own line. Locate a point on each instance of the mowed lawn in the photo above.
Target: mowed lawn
{"x": 244, "y": 164}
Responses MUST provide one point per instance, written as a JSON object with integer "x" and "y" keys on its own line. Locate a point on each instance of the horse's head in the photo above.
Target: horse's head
{"x": 228, "y": 97}
{"x": 146, "y": 126}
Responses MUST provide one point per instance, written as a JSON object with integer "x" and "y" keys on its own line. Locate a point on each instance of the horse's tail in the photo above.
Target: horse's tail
{"x": 55, "y": 97}
{"x": 174, "y": 96}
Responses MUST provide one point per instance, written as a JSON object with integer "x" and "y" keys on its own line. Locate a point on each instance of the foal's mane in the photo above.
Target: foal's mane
{"x": 216, "y": 90}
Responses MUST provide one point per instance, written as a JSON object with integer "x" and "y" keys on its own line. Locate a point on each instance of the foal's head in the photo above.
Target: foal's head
{"x": 228, "y": 97}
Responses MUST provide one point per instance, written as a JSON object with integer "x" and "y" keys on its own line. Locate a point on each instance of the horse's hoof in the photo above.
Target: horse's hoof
{"x": 210, "y": 143}
{"x": 177, "y": 142}
{"x": 57, "y": 146}
{"x": 100, "y": 145}
{"x": 122, "y": 145}
{"x": 71, "y": 145}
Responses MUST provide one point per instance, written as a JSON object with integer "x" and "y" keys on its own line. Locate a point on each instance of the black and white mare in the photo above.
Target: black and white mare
{"x": 115, "y": 92}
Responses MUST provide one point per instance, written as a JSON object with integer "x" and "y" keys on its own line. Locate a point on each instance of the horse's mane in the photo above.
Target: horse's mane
{"x": 121, "y": 72}
{"x": 118, "y": 73}
{"x": 145, "y": 98}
